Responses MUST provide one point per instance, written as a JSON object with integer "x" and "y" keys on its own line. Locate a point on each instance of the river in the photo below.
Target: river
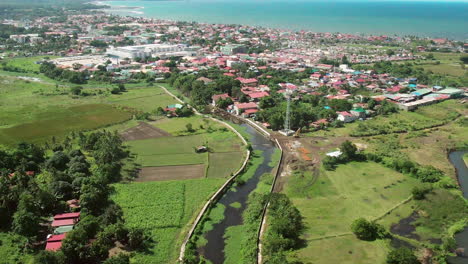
{"x": 214, "y": 249}
{"x": 456, "y": 158}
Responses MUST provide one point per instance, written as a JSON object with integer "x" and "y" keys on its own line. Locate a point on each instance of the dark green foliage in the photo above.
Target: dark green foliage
{"x": 58, "y": 161}
{"x": 285, "y": 226}
{"x": 76, "y": 90}
{"x": 402, "y": 256}
{"x": 368, "y": 230}
{"x": 51, "y": 71}
{"x": 419, "y": 192}
{"x": 119, "y": 259}
{"x": 49, "y": 257}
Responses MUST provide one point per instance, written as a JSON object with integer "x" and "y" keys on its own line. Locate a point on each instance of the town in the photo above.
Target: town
{"x": 144, "y": 133}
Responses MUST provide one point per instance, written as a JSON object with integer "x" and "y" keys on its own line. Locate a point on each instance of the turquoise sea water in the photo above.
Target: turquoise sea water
{"x": 433, "y": 19}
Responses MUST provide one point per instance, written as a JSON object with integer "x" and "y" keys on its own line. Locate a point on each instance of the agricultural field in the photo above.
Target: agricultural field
{"x": 35, "y": 110}
{"x": 353, "y": 190}
{"x": 165, "y": 210}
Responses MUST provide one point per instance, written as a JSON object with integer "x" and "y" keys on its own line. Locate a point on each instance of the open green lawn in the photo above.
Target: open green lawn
{"x": 353, "y": 190}
{"x": 346, "y": 249}
{"x": 165, "y": 210}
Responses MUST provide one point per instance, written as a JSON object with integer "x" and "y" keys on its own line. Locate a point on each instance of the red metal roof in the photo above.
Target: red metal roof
{"x": 258, "y": 95}
{"x": 64, "y": 222}
{"x": 67, "y": 215}
{"x": 53, "y": 246}
{"x": 56, "y": 238}
{"x": 246, "y": 105}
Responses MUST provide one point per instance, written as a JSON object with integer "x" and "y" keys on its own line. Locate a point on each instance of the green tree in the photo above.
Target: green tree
{"x": 76, "y": 90}
{"x": 402, "y": 256}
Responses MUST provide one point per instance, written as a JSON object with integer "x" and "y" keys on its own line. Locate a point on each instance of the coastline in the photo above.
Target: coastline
{"x": 212, "y": 12}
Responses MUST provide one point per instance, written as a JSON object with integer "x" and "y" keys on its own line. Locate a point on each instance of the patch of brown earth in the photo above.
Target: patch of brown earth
{"x": 167, "y": 173}
{"x": 143, "y": 131}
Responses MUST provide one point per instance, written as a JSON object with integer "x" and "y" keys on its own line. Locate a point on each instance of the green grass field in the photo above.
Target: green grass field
{"x": 449, "y": 63}
{"x": 75, "y": 118}
{"x": 27, "y": 63}
{"x": 164, "y": 210}
{"x": 353, "y": 190}
{"x": 422, "y": 118}
{"x": 225, "y": 151}
{"x": 35, "y": 111}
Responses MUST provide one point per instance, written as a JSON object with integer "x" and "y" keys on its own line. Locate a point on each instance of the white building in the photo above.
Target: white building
{"x": 151, "y": 50}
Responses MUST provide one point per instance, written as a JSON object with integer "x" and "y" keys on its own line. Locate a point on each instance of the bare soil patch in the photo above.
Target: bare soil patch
{"x": 143, "y": 131}
{"x": 167, "y": 173}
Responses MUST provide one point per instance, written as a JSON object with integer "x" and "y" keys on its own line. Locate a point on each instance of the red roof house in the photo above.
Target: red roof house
{"x": 67, "y": 216}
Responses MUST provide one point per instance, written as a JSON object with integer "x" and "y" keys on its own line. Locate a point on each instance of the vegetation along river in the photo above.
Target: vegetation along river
{"x": 456, "y": 158}
{"x": 214, "y": 249}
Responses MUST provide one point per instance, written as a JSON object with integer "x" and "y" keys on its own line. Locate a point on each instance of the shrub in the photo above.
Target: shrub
{"x": 368, "y": 230}
{"x": 402, "y": 256}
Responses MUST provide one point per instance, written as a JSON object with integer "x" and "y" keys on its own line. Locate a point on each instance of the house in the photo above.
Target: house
{"x": 66, "y": 219}
{"x": 54, "y": 242}
{"x": 215, "y": 98}
{"x": 243, "y": 107}
{"x": 251, "y": 82}
{"x": 346, "y": 117}
{"x": 358, "y": 112}
{"x": 255, "y": 96}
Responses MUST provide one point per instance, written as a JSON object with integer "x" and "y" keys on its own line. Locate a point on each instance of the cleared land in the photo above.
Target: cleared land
{"x": 166, "y": 173}
{"x": 143, "y": 131}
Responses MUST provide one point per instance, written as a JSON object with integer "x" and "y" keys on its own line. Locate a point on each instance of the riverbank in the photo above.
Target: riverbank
{"x": 457, "y": 159}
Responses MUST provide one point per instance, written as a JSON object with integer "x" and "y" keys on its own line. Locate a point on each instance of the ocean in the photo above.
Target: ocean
{"x": 442, "y": 19}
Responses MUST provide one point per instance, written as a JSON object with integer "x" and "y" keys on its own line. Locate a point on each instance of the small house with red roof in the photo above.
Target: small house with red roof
{"x": 54, "y": 242}
{"x": 241, "y": 108}
{"x": 215, "y": 98}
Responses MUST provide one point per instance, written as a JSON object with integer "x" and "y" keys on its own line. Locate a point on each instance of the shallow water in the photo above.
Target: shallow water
{"x": 456, "y": 158}
{"x": 213, "y": 250}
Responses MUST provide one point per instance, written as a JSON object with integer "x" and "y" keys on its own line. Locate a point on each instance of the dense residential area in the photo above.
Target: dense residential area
{"x": 126, "y": 139}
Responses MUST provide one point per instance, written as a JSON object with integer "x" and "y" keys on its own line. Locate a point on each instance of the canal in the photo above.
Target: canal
{"x": 214, "y": 249}
{"x": 456, "y": 158}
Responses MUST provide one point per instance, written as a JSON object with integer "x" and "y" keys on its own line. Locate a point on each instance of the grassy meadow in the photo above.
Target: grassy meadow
{"x": 449, "y": 63}
{"x": 335, "y": 200}
{"x": 35, "y": 111}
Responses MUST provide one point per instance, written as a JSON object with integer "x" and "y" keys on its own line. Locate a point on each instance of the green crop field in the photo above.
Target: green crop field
{"x": 177, "y": 126}
{"x": 353, "y": 190}
{"x": 164, "y": 210}
{"x": 223, "y": 165}
{"x": 75, "y": 118}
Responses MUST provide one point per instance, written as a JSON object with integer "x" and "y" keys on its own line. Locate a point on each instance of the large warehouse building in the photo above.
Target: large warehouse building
{"x": 151, "y": 50}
